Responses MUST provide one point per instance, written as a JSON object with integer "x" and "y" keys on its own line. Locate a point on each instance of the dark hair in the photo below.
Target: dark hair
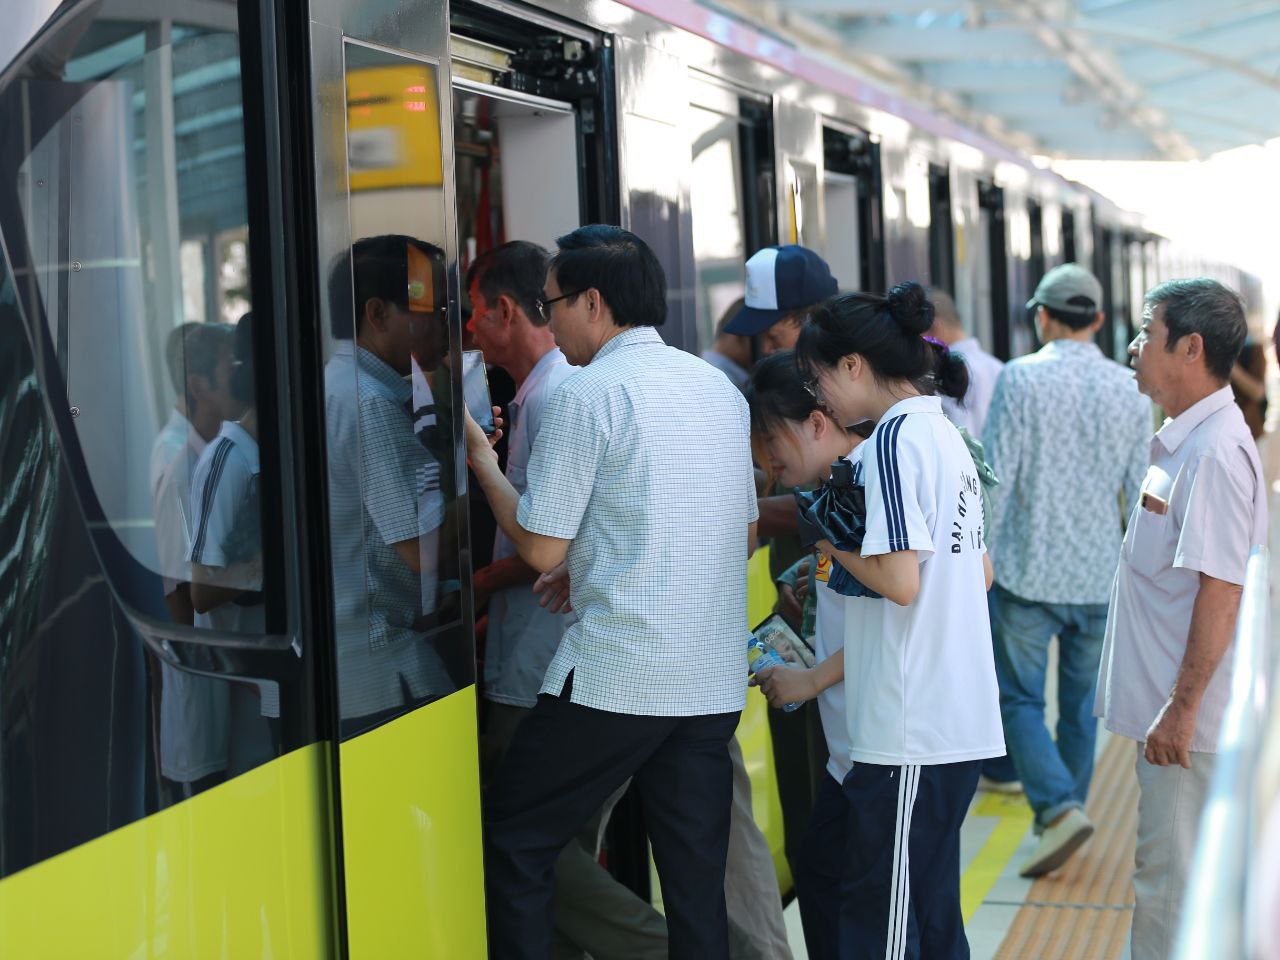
{"x": 377, "y": 267}
{"x": 194, "y": 348}
{"x": 888, "y": 332}
{"x": 1086, "y": 312}
{"x": 517, "y": 269}
{"x": 1206, "y": 307}
{"x": 776, "y": 393}
{"x": 241, "y": 384}
{"x": 620, "y": 266}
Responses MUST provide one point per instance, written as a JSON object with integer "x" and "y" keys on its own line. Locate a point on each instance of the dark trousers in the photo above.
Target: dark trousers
{"x": 820, "y": 863}
{"x": 900, "y": 898}
{"x": 800, "y": 765}
{"x": 564, "y": 762}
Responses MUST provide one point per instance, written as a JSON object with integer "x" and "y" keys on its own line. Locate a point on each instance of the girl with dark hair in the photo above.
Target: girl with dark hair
{"x": 921, "y": 704}
{"x": 796, "y": 440}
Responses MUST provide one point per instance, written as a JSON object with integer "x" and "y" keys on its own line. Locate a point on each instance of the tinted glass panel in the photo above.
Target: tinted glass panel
{"x": 389, "y": 385}
{"x": 135, "y": 666}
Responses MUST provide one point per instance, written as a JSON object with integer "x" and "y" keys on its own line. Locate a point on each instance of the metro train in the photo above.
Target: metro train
{"x": 281, "y": 784}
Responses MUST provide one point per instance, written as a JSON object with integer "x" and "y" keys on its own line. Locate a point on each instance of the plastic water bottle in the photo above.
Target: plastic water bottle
{"x": 760, "y": 656}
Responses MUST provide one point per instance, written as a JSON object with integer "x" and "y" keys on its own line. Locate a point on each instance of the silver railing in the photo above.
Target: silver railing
{"x": 1216, "y": 914}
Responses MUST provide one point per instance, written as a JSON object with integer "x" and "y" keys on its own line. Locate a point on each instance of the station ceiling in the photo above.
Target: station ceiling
{"x": 1098, "y": 79}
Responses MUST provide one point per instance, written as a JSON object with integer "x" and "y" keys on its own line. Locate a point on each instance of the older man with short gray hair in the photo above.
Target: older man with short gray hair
{"x": 1166, "y": 671}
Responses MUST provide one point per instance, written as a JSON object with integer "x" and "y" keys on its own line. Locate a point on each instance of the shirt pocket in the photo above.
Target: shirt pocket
{"x": 1148, "y": 548}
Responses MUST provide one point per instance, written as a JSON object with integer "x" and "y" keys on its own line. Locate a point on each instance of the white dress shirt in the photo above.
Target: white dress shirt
{"x": 644, "y": 463}
{"x": 1206, "y": 510}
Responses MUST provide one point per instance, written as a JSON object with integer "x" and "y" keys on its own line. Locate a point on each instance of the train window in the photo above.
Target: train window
{"x": 389, "y": 400}
{"x": 851, "y": 201}
{"x": 142, "y": 284}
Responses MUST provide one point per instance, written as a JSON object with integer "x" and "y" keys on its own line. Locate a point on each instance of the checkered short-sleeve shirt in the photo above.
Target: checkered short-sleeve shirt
{"x": 643, "y": 462}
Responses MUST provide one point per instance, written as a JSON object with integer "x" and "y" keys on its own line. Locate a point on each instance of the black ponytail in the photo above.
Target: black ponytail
{"x": 889, "y": 333}
{"x": 950, "y": 372}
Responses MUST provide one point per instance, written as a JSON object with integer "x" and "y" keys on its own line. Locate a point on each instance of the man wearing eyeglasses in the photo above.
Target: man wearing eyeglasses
{"x": 641, "y": 491}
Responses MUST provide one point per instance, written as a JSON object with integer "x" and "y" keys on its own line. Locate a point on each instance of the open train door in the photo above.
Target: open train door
{"x": 407, "y": 770}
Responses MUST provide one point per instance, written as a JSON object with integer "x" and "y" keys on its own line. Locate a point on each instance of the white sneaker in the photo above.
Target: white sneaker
{"x": 1058, "y": 842}
{"x": 1010, "y": 788}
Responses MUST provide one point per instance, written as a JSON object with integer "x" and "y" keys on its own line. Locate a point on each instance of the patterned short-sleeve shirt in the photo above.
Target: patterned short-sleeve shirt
{"x": 1067, "y": 436}
{"x": 643, "y": 462}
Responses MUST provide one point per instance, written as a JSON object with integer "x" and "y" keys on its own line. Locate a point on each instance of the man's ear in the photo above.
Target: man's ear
{"x": 1097, "y": 322}
{"x": 1191, "y": 346}
{"x": 375, "y": 315}
{"x": 507, "y": 309}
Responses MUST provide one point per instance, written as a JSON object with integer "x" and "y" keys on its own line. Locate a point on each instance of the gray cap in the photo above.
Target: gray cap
{"x": 1068, "y": 288}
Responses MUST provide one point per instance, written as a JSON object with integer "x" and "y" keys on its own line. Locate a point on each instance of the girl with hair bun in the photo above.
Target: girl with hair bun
{"x": 921, "y": 700}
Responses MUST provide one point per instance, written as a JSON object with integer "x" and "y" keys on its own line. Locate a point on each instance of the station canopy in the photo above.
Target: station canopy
{"x": 1099, "y": 79}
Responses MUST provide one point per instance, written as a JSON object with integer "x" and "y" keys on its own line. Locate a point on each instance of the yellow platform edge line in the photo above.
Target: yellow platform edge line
{"x": 1013, "y": 820}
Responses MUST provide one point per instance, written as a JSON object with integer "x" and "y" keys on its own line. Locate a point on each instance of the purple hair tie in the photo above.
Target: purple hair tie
{"x": 937, "y": 343}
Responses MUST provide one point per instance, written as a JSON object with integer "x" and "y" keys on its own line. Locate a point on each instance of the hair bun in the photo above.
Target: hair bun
{"x": 909, "y": 305}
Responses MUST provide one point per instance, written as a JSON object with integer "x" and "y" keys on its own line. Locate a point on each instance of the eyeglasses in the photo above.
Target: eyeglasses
{"x": 544, "y": 304}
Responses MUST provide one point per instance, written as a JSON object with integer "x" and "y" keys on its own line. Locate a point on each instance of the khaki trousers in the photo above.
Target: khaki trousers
{"x": 1169, "y": 807}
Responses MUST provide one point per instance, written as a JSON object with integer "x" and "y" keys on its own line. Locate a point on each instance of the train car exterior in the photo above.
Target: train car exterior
{"x": 274, "y": 775}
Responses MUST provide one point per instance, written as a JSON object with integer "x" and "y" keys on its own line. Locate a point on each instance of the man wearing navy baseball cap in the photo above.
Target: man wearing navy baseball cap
{"x": 782, "y": 284}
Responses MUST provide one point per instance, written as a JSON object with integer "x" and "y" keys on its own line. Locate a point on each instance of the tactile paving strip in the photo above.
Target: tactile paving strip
{"x": 1083, "y": 910}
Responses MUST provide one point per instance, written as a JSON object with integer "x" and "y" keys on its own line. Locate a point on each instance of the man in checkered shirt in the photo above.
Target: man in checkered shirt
{"x": 640, "y": 490}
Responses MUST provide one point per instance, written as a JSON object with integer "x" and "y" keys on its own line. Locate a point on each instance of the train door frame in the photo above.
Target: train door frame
{"x": 942, "y": 256}
{"x": 392, "y": 810}
{"x": 1103, "y": 253}
{"x": 1036, "y": 262}
{"x": 991, "y": 208}
{"x": 589, "y": 89}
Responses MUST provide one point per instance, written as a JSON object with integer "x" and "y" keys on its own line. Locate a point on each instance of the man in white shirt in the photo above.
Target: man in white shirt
{"x": 641, "y": 491}
{"x": 984, "y": 369}
{"x": 1067, "y": 436}
{"x": 505, "y": 285}
{"x": 593, "y": 911}
{"x": 1166, "y": 666}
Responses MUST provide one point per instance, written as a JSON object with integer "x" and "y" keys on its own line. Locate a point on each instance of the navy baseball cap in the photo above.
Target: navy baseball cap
{"x": 781, "y": 280}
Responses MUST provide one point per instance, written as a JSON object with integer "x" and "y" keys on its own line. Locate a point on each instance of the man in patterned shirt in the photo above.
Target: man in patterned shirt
{"x": 1067, "y": 435}
{"x": 640, "y": 487}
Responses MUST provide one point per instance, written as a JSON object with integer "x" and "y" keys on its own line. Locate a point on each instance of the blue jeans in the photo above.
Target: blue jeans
{"x": 1054, "y": 774}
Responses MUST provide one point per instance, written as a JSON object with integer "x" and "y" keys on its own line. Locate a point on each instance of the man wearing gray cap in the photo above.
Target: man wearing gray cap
{"x": 1068, "y": 436}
